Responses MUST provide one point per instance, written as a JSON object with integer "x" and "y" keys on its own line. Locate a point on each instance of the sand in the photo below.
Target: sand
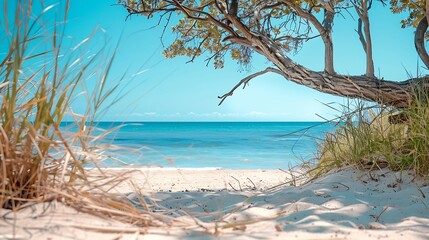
{"x": 247, "y": 204}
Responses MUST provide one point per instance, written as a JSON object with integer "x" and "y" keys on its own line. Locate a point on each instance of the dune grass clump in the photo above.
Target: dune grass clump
{"x": 37, "y": 86}
{"x": 41, "y": 76}
{"x": 416, "y": 148}
{"x": 374, "y": 137}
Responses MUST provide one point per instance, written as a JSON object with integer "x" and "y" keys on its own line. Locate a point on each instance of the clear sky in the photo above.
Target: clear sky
{"x": 160, "y": 89}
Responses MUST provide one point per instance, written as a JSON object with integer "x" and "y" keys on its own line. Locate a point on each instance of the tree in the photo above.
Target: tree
{"x": 275, "y": 28}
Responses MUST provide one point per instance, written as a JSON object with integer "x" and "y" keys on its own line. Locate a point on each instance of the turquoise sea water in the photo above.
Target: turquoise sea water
{"x": 232, "y": 145}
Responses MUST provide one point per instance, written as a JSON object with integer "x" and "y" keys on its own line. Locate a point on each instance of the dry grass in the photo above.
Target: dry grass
{"x": 40, "y": 79}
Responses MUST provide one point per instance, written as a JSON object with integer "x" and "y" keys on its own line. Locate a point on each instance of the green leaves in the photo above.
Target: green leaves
{"x": 416, "y": 11}
{"x": 204, "y": 28}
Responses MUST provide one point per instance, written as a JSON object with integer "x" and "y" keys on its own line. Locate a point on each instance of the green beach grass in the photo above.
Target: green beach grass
{"x": 369, "y": 137}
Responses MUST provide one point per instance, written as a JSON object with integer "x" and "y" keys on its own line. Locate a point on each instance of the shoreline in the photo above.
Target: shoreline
{"x": 196, "y": 179}
{"x": 184, "y": 169}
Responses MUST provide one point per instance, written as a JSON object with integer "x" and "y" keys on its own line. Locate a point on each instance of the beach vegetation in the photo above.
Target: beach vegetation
{"x": 375, "y": 137}
{"x": 42, "y": 74}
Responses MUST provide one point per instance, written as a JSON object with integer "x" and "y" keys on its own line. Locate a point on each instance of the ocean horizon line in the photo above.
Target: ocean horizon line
{"x": 204, "y": 121}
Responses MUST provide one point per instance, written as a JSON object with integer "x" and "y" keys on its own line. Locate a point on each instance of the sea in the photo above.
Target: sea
{"x": 228, "y": 145}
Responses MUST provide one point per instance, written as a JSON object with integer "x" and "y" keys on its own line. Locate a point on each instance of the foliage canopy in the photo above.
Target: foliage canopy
{"x": 278, "y": 28}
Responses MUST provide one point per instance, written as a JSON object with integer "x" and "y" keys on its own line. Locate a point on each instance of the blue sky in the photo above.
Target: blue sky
{"x": 159, "y": 89}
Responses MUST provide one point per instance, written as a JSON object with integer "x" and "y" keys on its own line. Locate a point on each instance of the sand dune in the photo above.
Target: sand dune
{"x": 348, "y": 204}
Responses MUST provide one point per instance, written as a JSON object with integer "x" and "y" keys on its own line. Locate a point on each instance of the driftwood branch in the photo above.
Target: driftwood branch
{"x": 239, "y": 184}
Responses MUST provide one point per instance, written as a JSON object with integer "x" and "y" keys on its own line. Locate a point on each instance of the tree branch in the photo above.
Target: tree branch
{"x": 216, "y": 53}
{"x": 209, "y": 18}
{"x": 360, "y": 33}
{"x": 324, "y": 30}
{"x": 165, "y": 26}
{"x": 198, "y": 49}
{"x": 246, "y": 80}
{"x": 419, "y": 41}
{"x": 306, "y": 15}
{"x": 365, "y": 37}
{"x": 282, "y": 38}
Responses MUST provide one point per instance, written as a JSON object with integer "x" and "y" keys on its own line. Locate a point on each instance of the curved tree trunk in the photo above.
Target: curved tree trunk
{"x": 398, "y": 94}
{"x": 419, "y": 41}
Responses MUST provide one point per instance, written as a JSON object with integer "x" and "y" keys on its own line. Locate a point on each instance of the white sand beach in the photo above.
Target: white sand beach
{"x": 247, "y": 204}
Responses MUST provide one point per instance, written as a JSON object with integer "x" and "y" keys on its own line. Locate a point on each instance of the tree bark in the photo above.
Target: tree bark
{"x": 324, "y": 30}
{"x": 369, "y": 59}
{"x": 360, "y": 33}
{"x": 419, "y": 41}
{"x": 327, "y": 40}
{"x": 398, "y": 94}
{"x": 362, "y": 11}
